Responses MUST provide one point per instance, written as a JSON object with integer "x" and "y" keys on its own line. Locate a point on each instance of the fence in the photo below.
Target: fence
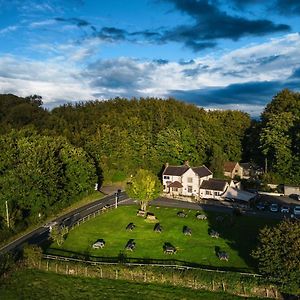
{"x": 92, "y": 215}
{"x": 229, "y": 282}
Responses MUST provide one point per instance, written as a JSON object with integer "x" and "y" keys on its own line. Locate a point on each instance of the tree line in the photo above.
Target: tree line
{"x": 50, "y": 158}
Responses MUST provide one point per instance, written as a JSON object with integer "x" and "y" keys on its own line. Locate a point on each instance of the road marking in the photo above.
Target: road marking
{"x": 93, "y": 206}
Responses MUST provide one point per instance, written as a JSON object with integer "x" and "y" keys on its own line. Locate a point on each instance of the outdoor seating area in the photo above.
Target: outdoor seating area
{"x": 169, "y": 249}
{"x": 141, "y": 213}
{"x": 130, "y": 245}
{"x": 181, "y": 214}
{"x": 223, "y": 255}
{"x": 99, "y": 244}
{"x": 130, "y": 226}
{"x": 151, "y": 217}
{"x": 201, "y": 217}
{"x": 214, "y": 234}
{"x": 187, "y": 231}
{"x": 158, "y": 228}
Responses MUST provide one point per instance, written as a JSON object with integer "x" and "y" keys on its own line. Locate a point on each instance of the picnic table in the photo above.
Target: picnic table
{"x": 214, "y": 234}
{"x": 158, "y": 228}
{"x": 223, "y": 255}
{"x": 130, "y": 245}
{"x": 130, "y": 226}
{"x": 181, "y": 214}
{"x": 99, "y": 244}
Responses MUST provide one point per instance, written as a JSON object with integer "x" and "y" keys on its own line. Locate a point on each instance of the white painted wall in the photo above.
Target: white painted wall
{"x": 194, "y": 184}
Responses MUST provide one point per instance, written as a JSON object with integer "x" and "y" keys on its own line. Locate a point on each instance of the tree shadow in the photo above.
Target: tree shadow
{"x": 239, "y": 231}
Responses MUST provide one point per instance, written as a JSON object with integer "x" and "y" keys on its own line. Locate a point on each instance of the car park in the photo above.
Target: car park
{"x": 274, "y": 207}
{"x": 296, "y": 210}
{"x": 285, "y": 209}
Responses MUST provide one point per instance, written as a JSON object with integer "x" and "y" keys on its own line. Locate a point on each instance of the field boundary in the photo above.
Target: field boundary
{"x": 173, "y": 266}
{"x": 229, "y": 282}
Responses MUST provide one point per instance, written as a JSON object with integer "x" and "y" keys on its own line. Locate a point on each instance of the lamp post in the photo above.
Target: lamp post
{"x": 7, "y": 215}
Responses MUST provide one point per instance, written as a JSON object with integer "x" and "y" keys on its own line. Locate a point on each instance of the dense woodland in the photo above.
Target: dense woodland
{"x": 49, "y": 159}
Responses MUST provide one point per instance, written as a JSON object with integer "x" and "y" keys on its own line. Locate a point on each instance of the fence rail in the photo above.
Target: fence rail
{"x": 173, "y": 266}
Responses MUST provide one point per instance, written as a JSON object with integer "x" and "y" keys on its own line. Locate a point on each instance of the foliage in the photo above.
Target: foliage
{"x": 278, "y": 253}
{"x": 40, "y": 175}
{"x": 58, "y": 234}
{"x": 280, "y": 135}
{"x": 144, "y": 186}
{"x": 32, "y": 255}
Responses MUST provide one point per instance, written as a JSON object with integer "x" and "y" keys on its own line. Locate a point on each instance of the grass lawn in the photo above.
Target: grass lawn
{"x": 32, "y": 284}
{"x": 237, "y": 237}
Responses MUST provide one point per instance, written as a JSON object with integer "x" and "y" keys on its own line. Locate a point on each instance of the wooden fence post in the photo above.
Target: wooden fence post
{"x": 47, "y": 265}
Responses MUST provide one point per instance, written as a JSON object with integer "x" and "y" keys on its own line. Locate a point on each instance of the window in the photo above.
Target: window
{"x": 175, "y": 189}
{"x": 190, "y": 189}
{"x": 190, "y": 179}
{"x": 216, "y": 193}
{"x": 166, "y": 177}
{"x": 207, "y": 192}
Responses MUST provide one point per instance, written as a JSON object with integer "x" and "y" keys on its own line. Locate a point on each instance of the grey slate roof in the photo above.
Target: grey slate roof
{"x": 213, "y": 184}
{"x": 175, "y": 170}
{"x": 202, "y": 171}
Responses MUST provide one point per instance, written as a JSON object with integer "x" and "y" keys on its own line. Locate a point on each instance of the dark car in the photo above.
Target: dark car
{"x": 294, "y": 196}
{"x": 260, "y": 206}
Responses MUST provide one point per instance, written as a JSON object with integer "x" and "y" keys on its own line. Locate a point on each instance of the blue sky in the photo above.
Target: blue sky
{"x": 216, "y": 54}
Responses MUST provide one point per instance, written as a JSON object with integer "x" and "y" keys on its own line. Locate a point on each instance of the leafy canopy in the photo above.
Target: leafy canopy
{"x": 278, "y": 253}
{"x": 144, "y": 186}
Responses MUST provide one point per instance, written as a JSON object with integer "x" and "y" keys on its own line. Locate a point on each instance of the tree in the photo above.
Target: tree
{"x": 57, "y": 234}
{"x": 278, "y": 253}
{"x": 32, "y": 254}
{"x": 145, "y": 187}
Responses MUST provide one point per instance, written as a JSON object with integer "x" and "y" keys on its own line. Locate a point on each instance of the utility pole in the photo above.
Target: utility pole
{"x": 266, "y": 165}
{"x": 116, "y": 200}
{"x": 7, "y": 215}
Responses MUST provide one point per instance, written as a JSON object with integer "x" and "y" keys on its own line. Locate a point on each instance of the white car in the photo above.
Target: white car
{"x": 297, "y": 210}
{"x": 274, "y": 207}
{"x": 50, "y": 225}
{"x": 285, "y": 209}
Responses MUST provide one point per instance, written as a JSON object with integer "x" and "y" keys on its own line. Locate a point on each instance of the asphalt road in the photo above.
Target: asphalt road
{"x": 42, "y": 233}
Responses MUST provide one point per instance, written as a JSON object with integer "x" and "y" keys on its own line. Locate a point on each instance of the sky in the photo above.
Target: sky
{"x": 217, "y": 54}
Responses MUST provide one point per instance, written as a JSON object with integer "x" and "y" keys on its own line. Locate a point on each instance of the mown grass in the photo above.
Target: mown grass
{"x": 237, "y": 237}
{"x": 33, "y": 284}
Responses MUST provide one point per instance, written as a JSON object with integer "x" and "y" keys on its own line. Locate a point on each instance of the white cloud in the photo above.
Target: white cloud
{"x": 8, "y": 29}
{"x": 74, "y": 72}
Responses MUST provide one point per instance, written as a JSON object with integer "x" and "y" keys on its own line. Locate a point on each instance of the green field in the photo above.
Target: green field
{"x": 31, "y": 284}
{"x": 237, "y": 237}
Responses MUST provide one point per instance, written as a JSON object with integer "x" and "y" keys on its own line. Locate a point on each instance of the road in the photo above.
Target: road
{"x": 222, "y": 208}
{"x": 42, "y": 233}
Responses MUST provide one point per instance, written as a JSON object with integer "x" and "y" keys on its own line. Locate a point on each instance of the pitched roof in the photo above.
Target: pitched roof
{"x": 175, "y": 171}
{"x": 202, "y": 171}
{"x": 229, "y": 166}
{"x": 175, "y": 184}
{"x": 213, "y": 184}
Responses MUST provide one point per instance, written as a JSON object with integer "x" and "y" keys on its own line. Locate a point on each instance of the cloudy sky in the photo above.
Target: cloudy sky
{"x": 233, "y": 54}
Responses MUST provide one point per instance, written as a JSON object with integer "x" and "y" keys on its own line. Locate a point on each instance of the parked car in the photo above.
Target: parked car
{"x": 260, "y": 206}
{"x": 274, "y": 207}
{"x": 295, "y": 196}
{"x": 285, "y": 209}
{"x": 296, "y": 210}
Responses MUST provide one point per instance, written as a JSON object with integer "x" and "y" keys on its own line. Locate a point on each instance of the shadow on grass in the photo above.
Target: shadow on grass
{"x": 123, "y": 259}
{"x": 239, "y": 231}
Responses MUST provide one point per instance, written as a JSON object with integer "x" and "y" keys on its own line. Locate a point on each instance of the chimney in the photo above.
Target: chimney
{"x": 186, "y": 163}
